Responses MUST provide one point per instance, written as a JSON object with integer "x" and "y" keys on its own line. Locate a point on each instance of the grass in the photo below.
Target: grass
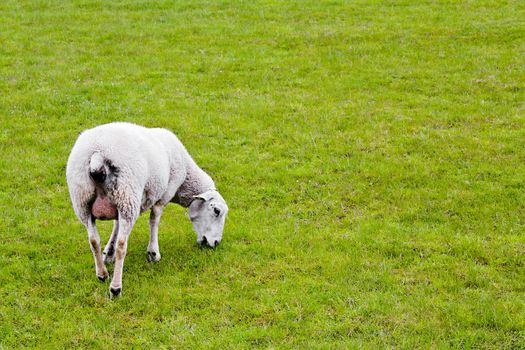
{"x": 372, "y": 154}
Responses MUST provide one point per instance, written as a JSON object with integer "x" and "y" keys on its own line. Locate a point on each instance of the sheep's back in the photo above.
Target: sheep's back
{"x": 130, "y": 148}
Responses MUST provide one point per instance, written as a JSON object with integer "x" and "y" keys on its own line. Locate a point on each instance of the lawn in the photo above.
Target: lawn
{"x": 372, "y": 154}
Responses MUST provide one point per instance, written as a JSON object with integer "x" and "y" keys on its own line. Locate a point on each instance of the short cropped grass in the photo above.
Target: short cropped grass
{"x": 372, "y": 154}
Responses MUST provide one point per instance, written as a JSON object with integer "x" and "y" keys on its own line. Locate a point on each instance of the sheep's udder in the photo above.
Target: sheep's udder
{"x": 103, "y": 209}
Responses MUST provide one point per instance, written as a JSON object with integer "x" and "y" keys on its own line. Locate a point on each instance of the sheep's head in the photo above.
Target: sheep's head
{"x": 207, "y": 214}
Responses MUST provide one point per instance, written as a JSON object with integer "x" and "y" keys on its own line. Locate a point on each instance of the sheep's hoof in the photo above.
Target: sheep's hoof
{"x": 153, "y": 256}
{"x": 108, "y": 259}
{"x": 115, "y": 292}
{"x": 102, "y": 278}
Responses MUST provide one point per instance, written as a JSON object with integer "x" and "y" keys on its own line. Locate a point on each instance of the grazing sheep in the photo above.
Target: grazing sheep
{"x": 117, "y": 171}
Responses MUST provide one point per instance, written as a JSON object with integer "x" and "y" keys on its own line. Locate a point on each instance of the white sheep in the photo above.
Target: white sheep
{"x": 117, "y": 171}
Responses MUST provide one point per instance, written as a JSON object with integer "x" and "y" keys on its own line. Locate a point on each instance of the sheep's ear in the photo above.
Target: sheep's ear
{"x": 206, "y": 196}
{"x": 194, "y": 209}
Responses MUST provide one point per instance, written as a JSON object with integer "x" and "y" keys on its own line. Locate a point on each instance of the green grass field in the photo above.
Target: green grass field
{"x": 372, "y": 154}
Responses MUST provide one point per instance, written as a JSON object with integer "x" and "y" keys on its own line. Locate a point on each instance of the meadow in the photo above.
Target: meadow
{"x": 372, "y": 154}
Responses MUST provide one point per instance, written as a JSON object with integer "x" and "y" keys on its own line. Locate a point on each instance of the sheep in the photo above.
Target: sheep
{"x": 117, "y": 171}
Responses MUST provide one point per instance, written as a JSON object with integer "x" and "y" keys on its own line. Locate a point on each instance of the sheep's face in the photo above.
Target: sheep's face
{"x": 207, "y": 214}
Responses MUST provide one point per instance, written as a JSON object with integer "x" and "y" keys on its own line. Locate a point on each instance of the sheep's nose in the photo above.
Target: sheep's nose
{"x": 204, "y": 241}
{"x": 216, "y": 244}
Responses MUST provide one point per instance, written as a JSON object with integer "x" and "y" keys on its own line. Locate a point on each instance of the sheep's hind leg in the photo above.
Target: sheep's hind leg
{"x": 153, "y": 246}
{"x": 109, "y": 250}
{"x": 124, "y": 229}
{"x": 94, "y": 241}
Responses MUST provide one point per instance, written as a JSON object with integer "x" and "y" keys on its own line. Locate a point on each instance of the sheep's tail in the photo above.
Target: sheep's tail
{"x": 98, "y": 170}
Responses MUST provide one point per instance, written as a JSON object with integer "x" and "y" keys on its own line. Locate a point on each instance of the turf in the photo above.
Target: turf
{"x": 372, "y": 154}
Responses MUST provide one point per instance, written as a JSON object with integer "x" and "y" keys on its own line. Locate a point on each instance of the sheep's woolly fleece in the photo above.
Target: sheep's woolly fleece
{"x": 153, "y": 167}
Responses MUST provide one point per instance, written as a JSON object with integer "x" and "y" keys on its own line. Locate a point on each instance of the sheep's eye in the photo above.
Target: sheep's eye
{"x": 217, "y": 211}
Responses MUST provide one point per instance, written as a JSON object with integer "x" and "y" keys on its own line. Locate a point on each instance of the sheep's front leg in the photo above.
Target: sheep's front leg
{"x": 109, "y": 250}
{"x": 153, "y": 246}
{"x": 94, "y": 241}
{"x": 124, "y": 229}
